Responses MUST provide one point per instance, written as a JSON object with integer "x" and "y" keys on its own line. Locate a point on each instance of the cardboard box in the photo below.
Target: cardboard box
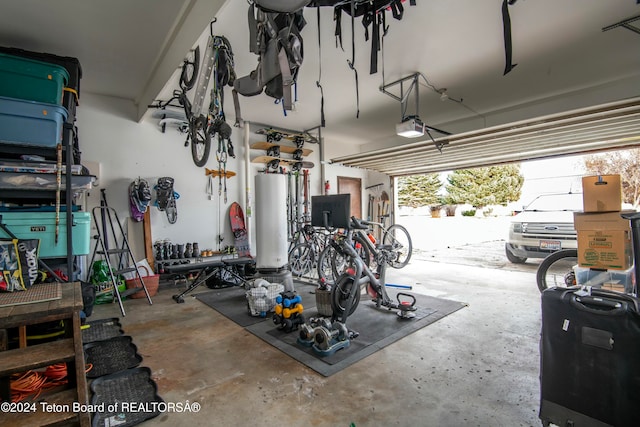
{"x": 604, "y": 240}
{"x": 601, "y": 193}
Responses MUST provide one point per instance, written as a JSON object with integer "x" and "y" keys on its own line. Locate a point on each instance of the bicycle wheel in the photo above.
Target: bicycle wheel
{"x": 398, "y": 236}
{"x": 557, "y": 270}
{"x": 331, "y": 264}
{"x": 200, "y": 140}
{"x": 341, "y": 292}
{"x": 301, "y": 259}
{"x": 362, "y": 248}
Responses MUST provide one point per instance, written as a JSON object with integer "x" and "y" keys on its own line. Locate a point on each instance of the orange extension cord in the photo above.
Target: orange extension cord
{"x": 34, "y": 382}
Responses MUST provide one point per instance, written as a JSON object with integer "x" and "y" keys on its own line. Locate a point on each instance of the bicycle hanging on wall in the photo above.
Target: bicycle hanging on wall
{"x": 200, "y": 124}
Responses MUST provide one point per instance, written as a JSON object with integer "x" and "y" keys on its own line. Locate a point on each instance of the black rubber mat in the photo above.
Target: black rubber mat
{"x": 103, "y": 329}
{"x": 377, "y": 328}
{"x": 112, "y": 355}
{"x": 232, "y": 302}
{"x": 128, "y": 397}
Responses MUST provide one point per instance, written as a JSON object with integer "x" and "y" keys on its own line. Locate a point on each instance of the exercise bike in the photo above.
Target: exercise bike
{"x": 345, "y": 295}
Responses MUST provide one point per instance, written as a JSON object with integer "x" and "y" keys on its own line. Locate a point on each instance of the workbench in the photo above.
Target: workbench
{"x": 28, "y": 357}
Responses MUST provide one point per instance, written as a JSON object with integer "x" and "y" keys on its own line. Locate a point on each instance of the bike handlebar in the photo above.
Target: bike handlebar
{"x": 359, "y": 224}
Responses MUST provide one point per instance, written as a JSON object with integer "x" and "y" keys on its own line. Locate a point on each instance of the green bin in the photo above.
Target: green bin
{"x": 27, "y": 79}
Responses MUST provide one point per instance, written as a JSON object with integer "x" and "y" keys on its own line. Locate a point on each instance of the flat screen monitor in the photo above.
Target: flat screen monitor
{"x": 332, "y": 211}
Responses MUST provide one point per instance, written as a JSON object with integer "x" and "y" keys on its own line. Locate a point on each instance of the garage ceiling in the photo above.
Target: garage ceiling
{"x": 606, "y": 127}
{"x": 565, "y": 62}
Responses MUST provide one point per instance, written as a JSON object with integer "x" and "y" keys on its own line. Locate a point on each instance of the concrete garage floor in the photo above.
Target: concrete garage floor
{"x": 478, "y": 366}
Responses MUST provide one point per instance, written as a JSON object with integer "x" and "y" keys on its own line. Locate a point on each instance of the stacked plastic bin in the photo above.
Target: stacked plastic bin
{"x": 39, "y": 94}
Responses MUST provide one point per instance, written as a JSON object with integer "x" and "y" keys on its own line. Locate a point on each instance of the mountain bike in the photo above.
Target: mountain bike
{"x": 198, "y": 135}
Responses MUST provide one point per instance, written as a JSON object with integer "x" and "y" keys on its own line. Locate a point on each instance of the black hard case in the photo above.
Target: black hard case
{"x": 590, "y": 358}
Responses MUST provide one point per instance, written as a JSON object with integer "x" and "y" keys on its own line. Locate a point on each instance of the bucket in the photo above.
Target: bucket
{"x": 151, "y": 281}
{"x": 323, "y": 302}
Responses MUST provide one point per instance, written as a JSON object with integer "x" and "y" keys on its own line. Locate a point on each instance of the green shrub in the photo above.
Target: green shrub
{"x": 471, "y": 212}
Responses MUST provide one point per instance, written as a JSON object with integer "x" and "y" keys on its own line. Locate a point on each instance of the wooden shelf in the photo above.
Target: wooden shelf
{"x": 36, "y": 356}
{"x": 68, "y": 350}
{"x": 43, "y": 417}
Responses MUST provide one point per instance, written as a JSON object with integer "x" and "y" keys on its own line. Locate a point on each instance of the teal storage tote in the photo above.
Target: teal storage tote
{"x": 42, "y": 225}
{"x": 31, "y": 123}
{"x": 27, "y": 79}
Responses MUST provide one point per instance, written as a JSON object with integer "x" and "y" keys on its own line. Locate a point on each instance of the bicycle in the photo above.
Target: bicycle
{"x": 331, "y": 264}
{"x": 217, "y": 63}
{"x": 303, "y": 256}
{"x": 197, "y": 133}
{"x": 329, "y": 337}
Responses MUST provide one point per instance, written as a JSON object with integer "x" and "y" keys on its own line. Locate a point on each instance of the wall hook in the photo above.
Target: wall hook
{"x": 213, "y": 21}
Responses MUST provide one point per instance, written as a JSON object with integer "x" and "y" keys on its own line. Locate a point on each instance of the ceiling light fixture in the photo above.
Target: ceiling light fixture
{"x": 411, "y": 126}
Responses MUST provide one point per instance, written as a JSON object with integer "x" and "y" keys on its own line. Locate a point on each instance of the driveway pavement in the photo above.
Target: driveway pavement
{"x": 477, "y": 241}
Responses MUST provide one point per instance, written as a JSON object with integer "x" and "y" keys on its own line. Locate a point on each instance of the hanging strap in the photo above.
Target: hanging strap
{"x": 322, "y": 121}
{"x": 353, "y": 56}
{"x": 254, "y": 42}
{"x": 337, "y": 17}
{"x": 506, "y": 28}
{"x": 375, "y": 42}
{"x": 287, "y": 79}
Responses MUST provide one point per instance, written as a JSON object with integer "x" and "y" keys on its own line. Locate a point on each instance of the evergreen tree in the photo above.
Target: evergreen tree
{"x": 419, "y": 190}
{"x": 480, "y": 187}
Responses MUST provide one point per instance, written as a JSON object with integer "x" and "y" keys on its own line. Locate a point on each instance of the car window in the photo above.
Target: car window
{"x": 556, "y": 202}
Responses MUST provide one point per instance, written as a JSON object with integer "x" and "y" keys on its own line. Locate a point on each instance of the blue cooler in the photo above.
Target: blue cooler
{"x": 42, "y": 225}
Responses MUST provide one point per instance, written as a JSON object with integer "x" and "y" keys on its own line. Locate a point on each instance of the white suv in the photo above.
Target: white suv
{"x": 544, "y": 226}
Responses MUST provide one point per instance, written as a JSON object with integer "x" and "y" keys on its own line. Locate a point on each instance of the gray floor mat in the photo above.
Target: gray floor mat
{"x": 377, "y": 327}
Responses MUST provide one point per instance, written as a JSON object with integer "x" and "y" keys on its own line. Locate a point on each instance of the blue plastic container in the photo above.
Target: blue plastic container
{"x": 42, "y": 225}
{"x": 31, "y": 123}
{"x": 32, "y": 80}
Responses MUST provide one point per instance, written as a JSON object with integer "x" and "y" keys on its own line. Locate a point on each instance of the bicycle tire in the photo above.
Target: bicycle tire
{"x": 362, "y": 248}
{"x": 341, "y": 292}
{"x": 557, "y": 270}
{"x": 200, "y": 140}
{"x": 301, "y": 259}
{"x": 398, "y": 236}
{"x": 331, "y": 264}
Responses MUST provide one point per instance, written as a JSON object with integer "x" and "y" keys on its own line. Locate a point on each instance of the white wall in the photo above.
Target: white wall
{"x": 125, "y": 149}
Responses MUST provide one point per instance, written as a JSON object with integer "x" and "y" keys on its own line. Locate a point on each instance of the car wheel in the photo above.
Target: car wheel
{"x": 512, "y": 258}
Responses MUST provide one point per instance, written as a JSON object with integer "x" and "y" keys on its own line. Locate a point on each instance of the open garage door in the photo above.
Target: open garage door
{"x": 605, "y": 127}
